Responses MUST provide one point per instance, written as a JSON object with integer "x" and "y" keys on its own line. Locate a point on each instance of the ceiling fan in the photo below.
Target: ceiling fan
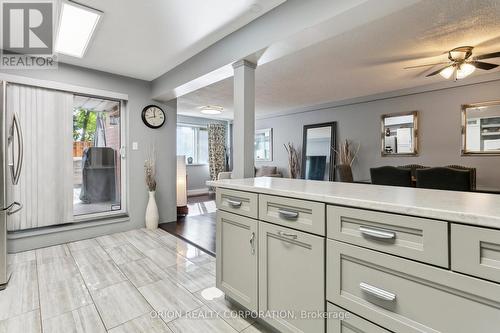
{"x": 461, "y": 63}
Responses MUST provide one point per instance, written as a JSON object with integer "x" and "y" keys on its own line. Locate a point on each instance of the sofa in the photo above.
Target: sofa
{"x": 263, "y": 171}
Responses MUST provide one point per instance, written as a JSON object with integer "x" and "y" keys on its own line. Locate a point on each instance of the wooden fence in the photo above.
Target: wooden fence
{"x": 79, "y": 147}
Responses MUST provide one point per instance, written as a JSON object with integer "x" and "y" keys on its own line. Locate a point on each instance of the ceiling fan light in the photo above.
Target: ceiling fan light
{"x": 458, "y": 55}
{"x": 465, "y": 70}
{"x": 447, "y": 72}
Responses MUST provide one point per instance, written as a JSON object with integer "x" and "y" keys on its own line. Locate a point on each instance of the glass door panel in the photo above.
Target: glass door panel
{"x": 96, "y": 156}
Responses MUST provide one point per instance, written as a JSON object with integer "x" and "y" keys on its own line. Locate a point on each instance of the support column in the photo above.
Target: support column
{"x": 244, "y": 120}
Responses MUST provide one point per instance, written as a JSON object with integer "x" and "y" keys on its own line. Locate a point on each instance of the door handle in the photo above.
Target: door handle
{"x": 9, "y": 210}
{"x": 252, "y": 242}
{"x": 234, "y": 203}
{"x": 287, "y": 214}
{"x": 377, "y": 233}
{"x": 285, "y": 234}
{"x": 377, "y": 292}
{"x": 15, "y": 170}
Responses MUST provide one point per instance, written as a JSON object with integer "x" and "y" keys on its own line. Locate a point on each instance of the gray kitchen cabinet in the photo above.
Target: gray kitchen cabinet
{"x": 411, "y": 237}
{"x": 291, "y": 278}
{"x": 476, "y": 251}
{"x": 238, "y": 202}
{"x": 236, "y": 264}
{"x": 409, "y": 297}
{"x": 341, "y": 321}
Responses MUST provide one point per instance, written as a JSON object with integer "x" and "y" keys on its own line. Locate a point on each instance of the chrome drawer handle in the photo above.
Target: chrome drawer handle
{"x": 285, "y": 234}
{"x": 377, "y": 292}
{"x": 234, "y": 203}
{"x": 288, "y": 214}
{"x": 377, "y": 233}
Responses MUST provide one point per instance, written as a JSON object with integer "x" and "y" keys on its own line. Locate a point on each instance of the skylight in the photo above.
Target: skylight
{"x": 76, "y": 27}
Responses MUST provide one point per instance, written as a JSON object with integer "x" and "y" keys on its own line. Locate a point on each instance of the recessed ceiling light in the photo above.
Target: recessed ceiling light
{"x": 77, "y": 24}
{"x": 211, "y": 109}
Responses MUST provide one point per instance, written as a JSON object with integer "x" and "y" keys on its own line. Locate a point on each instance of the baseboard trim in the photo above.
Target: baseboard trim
{"x": 195, "y": 192}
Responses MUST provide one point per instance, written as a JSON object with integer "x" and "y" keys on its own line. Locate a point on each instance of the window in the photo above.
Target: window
{"x": 264, "y": 145}
{"x": 192, "y": 141}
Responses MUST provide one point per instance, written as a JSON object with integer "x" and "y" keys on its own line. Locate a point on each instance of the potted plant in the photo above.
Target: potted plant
{"x": 152, "y": 216}
{"x": 347, "y": 154}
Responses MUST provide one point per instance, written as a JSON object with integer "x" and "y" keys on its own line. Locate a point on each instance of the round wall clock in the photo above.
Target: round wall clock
{"x": 153, "y": 116}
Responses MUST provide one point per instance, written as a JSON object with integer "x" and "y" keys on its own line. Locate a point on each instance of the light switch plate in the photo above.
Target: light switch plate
{"x": 135, "y": 145}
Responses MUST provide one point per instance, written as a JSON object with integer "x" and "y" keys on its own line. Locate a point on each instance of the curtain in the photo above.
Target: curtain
{"x": 46, "y": 184}
{"x": 216, "y": 149}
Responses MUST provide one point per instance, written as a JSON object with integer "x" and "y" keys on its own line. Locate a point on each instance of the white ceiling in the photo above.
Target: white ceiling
{"x": 144, "y": 39}
{"x": 365, "y": 61}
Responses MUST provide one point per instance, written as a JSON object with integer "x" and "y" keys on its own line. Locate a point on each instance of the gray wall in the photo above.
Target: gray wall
{"x": 197, "y": 175}
{"x": 440, "y": 130}
{"x": 139, "y": 93}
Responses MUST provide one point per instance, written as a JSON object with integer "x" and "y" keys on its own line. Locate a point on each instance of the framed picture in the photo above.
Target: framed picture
{"x": 264, "y": 145}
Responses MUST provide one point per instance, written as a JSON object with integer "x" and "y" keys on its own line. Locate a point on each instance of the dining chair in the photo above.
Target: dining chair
{"x": 390, "y": 175}
{"x": 413, "y": 168}
{"x": 472, "y": 174}
{"x": 442, "y": 178}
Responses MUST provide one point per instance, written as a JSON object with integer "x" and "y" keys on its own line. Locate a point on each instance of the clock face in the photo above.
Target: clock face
{"x": 153, "y": 116}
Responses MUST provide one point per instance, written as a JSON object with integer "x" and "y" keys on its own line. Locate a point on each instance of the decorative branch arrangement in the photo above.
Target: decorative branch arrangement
{"x": 347, "y": 153}
{"x": 293, "y": 161}
{"x": 150, "y": 169}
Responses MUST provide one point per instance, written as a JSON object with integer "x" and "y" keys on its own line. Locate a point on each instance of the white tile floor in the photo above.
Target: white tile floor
{"x": 114, "y": 283}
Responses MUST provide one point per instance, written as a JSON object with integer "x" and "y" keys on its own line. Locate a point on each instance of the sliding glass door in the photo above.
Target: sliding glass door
{"x": 72, "y": 166}
{"x": 97, "y": 168}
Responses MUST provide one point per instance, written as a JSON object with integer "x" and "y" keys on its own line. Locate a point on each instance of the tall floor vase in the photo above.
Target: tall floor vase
{"x": 152, "y": 215}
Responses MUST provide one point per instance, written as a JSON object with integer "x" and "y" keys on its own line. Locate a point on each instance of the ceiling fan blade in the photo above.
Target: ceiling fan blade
{"x": 487, "y": 56}
{"x": 436, "y": 72}
{"x": 427, "y": 65}
{"x": 483, "y": 65}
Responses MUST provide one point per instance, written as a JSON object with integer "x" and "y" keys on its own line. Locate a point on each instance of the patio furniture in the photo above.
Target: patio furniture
{"x": 98, "y": 175}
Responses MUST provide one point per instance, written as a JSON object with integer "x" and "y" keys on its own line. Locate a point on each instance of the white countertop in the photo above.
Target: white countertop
{"x": 480, "y": 209}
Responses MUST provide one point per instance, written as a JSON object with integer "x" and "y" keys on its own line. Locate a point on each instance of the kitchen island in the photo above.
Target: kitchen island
{"x": 305, "y": 254}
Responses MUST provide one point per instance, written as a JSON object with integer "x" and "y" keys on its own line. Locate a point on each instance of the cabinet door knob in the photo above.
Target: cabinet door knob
{"x": 377, "y": 233}
{"x": 377, "y": 292}
{"x": 288, "y": 214}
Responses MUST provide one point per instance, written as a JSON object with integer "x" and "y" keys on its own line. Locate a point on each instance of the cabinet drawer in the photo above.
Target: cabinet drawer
{"x": 341, "y": 321}
{"x": 297, "y": 214}
{"x": 407, "y": 297}
{"x": 291, "y": 277}
{"x": 410, "y": 237}
{"x": 238, "y": 202}
{"x": 476, "y": 251}
{"x": 236, "y": 264}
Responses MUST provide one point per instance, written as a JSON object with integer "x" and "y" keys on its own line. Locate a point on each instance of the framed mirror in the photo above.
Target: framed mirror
{"x": 481, "y": 129}
{"x": 399, "y": 134}
{"x": 318, "y": 152}
{"x": 264, "y": 145}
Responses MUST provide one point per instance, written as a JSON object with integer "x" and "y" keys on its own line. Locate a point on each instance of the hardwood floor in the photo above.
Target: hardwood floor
{"x": 198, "y": 228}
